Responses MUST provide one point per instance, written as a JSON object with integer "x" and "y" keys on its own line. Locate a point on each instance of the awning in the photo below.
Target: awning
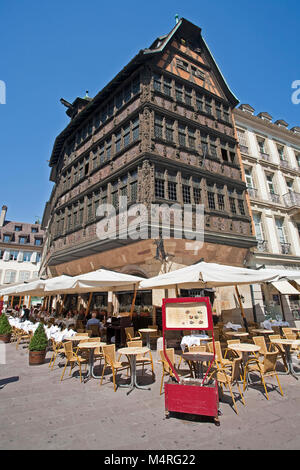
{"x": 284, "y": 287}
{"x": 207, "y": 275}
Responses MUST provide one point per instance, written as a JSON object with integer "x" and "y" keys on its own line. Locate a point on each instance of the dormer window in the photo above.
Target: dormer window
{"x": 18, "y": 228}
{"x": 23, "y": 240}
{"x": 7, "y": 238}
{"x": 38, "y": 242}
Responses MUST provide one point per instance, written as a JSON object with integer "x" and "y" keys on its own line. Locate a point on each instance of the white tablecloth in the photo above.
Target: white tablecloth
{"x": 191, "y": 340}
{"x": 232, "y": 326}
{"x": 268, "y": 324}
{"x": 53, "y": 332}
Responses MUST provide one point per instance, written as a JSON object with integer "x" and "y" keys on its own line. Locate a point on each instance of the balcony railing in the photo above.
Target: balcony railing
{"x": 262, "y": 246}
{"x": 252, "y": 192}
{"x": 244, "y": 149}
{"x": 285, "y": 248}
{"x": 265, "y": 156}
{"x": 287, "y": 165}
{"x": 274, "y": 198}
{"x": 291, "y": 199}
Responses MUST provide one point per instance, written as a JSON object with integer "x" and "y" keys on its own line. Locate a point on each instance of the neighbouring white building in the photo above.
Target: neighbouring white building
{"x": 271, "y": 157}
{"x": 21, "y": 245}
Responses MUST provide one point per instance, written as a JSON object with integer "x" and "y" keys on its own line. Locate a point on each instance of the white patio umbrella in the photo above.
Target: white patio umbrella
{"x": 101, "y": 280}
{"x": 56, "y": 285}
{"x": 11, "y": 290}
{"x": 206, "y": 275}
{"x": 288, "y": 274}
{"x": 35, "y": 288}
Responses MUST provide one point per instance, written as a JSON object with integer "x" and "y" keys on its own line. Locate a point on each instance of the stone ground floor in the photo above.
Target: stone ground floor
{"x": 37, "y": 411}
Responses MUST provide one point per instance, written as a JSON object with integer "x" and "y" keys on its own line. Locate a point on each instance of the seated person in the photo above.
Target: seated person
{"x": 81, "y": 315}
{"x": 94, "y": 321}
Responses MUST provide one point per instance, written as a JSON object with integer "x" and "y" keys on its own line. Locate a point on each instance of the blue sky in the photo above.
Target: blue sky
{"x": 61, "y": 48}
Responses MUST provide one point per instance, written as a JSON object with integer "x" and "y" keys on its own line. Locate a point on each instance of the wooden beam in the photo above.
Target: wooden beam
{"x": 133, "y": 301}
{"x": 242, "y": 309}
{"x": 62, "y": 304}
{"x": 89, "y": 304}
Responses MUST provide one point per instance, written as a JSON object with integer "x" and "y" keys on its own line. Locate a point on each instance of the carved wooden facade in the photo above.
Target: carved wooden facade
{"x": 160, "y": 132}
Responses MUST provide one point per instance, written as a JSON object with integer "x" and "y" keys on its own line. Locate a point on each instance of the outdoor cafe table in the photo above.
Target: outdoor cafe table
{"x": 193, "y": 340}
{"x": 262, "y": 331}
{"x": 147, "y": 332}
{"x": 195, "y": 361}
{"x": 236, "y": 334}
{"x": 91, "y": 345}
{"x": 287, "y": 344}
{"x": 78, "y": 338}
{"x": 131, "y": 354}
{"x": 245, "y": 349}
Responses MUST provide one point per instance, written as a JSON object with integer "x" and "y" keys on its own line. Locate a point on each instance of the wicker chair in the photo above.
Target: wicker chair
{"x": 229, "y": 376}
{"x": 72, "y": 358}
{"x": 109, "y": 352}
{"x": 266, "y": 368}
{"x": 129, "y": 332}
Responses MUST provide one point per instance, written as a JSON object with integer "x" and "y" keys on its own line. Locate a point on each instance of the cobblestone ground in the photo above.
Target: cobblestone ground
{"x": 37, "y": 411}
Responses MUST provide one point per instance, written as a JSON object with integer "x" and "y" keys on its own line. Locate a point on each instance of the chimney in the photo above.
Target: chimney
{"x": 2, "y": 215}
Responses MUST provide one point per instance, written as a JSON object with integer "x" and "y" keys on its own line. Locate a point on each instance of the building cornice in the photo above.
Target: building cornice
{"x": 265, "y": 126}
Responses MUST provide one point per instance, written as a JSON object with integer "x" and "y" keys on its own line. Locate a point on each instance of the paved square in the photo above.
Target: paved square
{"x": 37, "y": 411}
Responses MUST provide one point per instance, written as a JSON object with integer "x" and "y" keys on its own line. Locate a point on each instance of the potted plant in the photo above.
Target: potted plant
{"x": 5, "y": 329}
{"x": 37, "y": 346}
{"x": 145, "y": 312}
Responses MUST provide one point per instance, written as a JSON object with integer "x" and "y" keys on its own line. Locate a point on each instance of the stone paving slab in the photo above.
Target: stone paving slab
{"x": 38, "y": 411}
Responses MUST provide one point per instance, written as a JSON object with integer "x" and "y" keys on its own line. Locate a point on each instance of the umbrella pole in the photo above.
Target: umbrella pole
{"x": 133, "y": 302}
{"x": 89, "y": 304}
{"x": 63, "y": 303}
{"x": 242, "y": 309}
{"x": 177, "y": 291}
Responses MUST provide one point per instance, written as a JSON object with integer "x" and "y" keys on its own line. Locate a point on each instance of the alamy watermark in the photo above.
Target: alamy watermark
{"x": 140, "y": 222}
{"x": 2, "y": 92}
{"x": 296, "y": 93}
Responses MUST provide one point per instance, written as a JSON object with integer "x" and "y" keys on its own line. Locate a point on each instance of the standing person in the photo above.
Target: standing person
{"x": 26, "y": 313}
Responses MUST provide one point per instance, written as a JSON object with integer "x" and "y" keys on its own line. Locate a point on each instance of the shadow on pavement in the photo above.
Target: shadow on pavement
{"x": 9, "y": 380}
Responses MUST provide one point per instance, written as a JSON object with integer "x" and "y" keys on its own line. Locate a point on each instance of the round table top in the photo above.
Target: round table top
{"x": 244, "y": 347}
{"x": 133, "y": 351}
{"x": 91, "y": 345}
{"x": 147, "y": 330}
{"x": 78, "y": 338}
{"x": 286, "y": 341}
{"x": 263, "y": 331}
{"x": 198, "y": 356}
{"x": 236, "y": 333}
